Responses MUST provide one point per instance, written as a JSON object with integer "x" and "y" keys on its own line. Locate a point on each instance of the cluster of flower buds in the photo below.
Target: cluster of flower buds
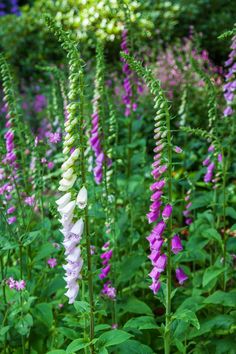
{"x": 208, "y": 162}
{"x": 108, "y": 290}
{"x": 127, "y": 85}
{"x": 9, "y": 159}
{"x": 187, "y": 211}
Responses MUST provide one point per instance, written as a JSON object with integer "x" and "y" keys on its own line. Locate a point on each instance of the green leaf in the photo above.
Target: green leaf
{"x": 4, "y": 330}
{"x": 142, "y": 322}
{"x": 103, "y": 350}
{"x": 222, "y": 298}
{"x": 68, "y": 332}
{"x": 231, "y": 212}
{"x": 133, "y": 347}
{"x": 137, "y": 306}
{"x": 223, "y": 322}
{"x": 44, "y": 313}
{"x": 130, "y": 266}
{"x": 187, "y": 316}
{"x": 179, "y": 345}
{"x": 31, "y": 237}
{"x": 57, "y": 351}
{"x": 82, "y": 306}
{"x": 24, "y": 324}
{"x": 212, "y": 234}
{"x": 76, "y": 345}
{"x": 45, "y": 250}
{"x": 113, "y": 337}
{"x": 210, "y": 274}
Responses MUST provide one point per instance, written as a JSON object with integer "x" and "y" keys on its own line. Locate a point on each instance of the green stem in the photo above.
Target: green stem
{"x": 168, "y": 296}
{"x": 224, "y": 216}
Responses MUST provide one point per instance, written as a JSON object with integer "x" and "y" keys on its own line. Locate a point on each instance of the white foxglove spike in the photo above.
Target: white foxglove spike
{"x": 82, "y": 198}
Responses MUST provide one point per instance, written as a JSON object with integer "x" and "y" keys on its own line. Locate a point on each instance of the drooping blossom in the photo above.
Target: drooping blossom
{"x": 176, "y": 245}
{"x": 187, "y": 210}
{"x": 181, "y": 276}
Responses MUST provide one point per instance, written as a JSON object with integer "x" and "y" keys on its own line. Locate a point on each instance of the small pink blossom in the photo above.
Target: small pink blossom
{"x": 52, "y": 262}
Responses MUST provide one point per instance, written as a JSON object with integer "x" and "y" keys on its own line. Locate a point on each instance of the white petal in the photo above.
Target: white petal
{"x": 67, "y": 164}
{"x": 82, "y": 198}
{"x": 64, "y": 199}
{"x": 64, "y": 182}
{"x": 67, "y": 174}
{"x": 75, "y": 154}
{"x": 74, "y": 256}
{"x": 78, "y": 227}
{"x": 68, "y": 209}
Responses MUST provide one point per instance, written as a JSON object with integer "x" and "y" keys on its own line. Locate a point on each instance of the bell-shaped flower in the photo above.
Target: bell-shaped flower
{"x": 78, "y": 227}
{"x": 82, "y": 198}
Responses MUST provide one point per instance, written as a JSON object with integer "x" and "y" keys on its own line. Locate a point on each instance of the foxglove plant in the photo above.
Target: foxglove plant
{"x": 73, "y": 226}
{"x": 160, "y": 209}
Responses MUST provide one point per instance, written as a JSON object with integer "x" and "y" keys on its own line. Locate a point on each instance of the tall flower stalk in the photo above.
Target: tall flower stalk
{"x": 74, "y": 148}
{"x": 162, "y": 203}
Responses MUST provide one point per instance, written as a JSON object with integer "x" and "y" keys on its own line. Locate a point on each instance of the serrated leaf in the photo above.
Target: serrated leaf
{"x": 187, "y": 316}
{"x": 82, "y": 306}
{"x": 44, "y": 313}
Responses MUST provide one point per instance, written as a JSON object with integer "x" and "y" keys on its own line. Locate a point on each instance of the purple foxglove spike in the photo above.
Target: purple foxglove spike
{"x": 160, "y": 263}
{"x": 181, "y": 276}
{"x": 167, "y": 212}
{"x": 155, "y": 275}
{"x": 155, "y": 287}
{"x": 176, "y": 245}
{"x": 157, "y": 163}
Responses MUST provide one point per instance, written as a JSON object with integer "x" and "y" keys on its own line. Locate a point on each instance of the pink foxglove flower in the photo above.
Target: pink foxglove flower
{"x": 181, "y": 276}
